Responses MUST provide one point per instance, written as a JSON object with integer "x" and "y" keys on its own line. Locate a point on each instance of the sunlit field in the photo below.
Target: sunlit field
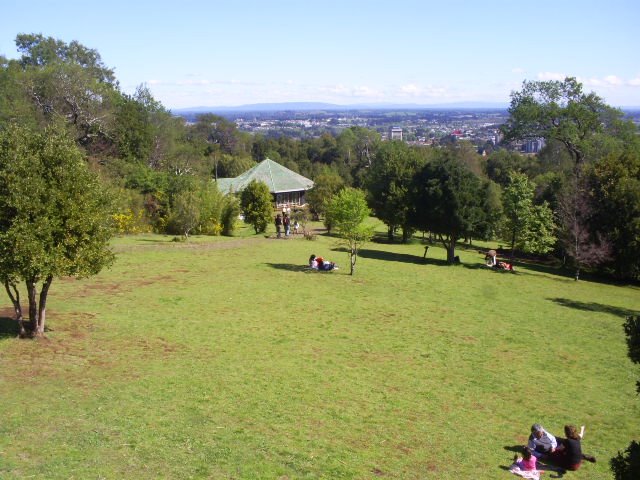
{"x": 228, "y": 358}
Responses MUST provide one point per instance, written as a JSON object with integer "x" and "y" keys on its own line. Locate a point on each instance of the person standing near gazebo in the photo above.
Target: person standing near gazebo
{"x": 278, "y": 225}
{"x": 287, "y": 225}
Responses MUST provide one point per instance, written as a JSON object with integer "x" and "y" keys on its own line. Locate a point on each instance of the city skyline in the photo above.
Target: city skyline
{"x": 199, "y": 53}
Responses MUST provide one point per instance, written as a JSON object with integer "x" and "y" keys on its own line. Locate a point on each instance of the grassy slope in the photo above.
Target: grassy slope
{"x": 225, "y": 358}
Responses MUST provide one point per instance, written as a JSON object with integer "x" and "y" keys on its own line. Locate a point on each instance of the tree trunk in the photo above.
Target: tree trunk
{"x": 42, "y": 307}
{"x": 353, "y": 255}
{"x": 33, "y": 305}
{"x": 451, "y": 253}
{"x": 390, "y": 233}
{"x": 14, "y": 295}
{"x": 450, "y": 246}
{"x": 513, "y": 247}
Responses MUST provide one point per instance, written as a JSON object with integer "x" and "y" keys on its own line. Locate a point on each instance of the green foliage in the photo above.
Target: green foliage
{"x": 502, "y": 162}
{"x": 39, "y": 51}
{"x": 615, "y": 185}
{"x": 186, "y": 211}
{"x": 326, "y": 185}
{"x": 256, "y": 205}
{"x": 492, "y": 206}
{"x": 448, "y": 199}
{"x": 134, "y": 129}
{"x": 526, "y": 226}
{"x": 347, "y": 212}
{"x": 230, "y": 213}
{"x": 626, "y": 466}
{"x": 559, "y": 111}
{"x": 388, "y": 184}
{"x": 212, "y": 204}
{"x": 632, "y": 331}
{"x": 55, "y": 216}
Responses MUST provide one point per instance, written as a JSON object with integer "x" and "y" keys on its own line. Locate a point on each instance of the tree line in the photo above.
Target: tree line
{"x": 578, "y": 199}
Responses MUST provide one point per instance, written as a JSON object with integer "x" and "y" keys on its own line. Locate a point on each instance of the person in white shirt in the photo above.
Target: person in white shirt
{"x": 541, "y": 442}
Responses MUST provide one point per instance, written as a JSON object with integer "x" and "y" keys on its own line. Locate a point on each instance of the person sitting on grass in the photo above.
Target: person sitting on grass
{"x": 541, "y": 442}
{"x": 569, "y": 454}
{"x": 526, "y": 466}
{"x": 505, "y": 266}
{"x": 527, "y": 461}
{"x": 319, "y": 263}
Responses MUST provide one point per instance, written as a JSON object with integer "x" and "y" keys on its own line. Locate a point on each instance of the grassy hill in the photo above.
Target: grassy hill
{"x": 227, "y": 358}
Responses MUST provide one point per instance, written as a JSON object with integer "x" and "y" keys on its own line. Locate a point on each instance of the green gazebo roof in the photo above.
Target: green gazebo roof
{"x": 279, "y": 179}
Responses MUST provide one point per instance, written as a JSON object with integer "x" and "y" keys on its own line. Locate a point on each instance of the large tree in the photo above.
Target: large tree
{"x": 388, "y": 183}
{"x": 448, "y": 200}
{"x": 68, "y": 81}
{"x": 527, "y": 226}
{"x": 38, "y": 50}
{"x": 326, "y": 185}
{"x": 585, "y": 246}
{"x": 615, "y": 185}
{"x": 54, "y": 217}
{"x": 347, "y": 212}
{"x": 256, "y": 204}
{"x": 560, "y": 111}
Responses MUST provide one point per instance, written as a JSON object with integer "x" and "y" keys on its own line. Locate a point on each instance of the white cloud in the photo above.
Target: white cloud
{"x": 634, "y": 82}
{"x": 364, "y": 91}
{"x": 411, "y": 90}
{"x": 551, "y": 76}
{"x": 428, "y": 91}
{"x": 352, "y": 91}
{"x": 336, "y": 89}
{"x": 591, "y": 82}
{"x": 613, "y": 80}
{"x": 184, "y": 83}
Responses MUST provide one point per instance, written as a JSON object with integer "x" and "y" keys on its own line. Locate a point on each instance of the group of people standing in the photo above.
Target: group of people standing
{"x": 563, "y": 452}
{"x": 284, "y": 222}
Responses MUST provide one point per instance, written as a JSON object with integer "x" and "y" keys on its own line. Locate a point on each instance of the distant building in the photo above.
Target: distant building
{"x": 395, "y": 133}
{"x": 533, "y": 146}
{"x": 287, "y": 187}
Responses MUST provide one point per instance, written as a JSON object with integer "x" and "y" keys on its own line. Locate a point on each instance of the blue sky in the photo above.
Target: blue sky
{"x": 196, "y": 53}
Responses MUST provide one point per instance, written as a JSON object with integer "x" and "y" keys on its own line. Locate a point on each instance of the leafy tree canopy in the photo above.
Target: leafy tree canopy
{"x": 448, "y": 199}
{"x": 256, "y": 204}
{"x": 54, "y": 216}
{"x": 347, "y": 212}
{"x": 560, "y": 111}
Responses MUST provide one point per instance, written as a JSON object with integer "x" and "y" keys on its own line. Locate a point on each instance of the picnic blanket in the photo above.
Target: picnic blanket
{"x": 531, "y": 474}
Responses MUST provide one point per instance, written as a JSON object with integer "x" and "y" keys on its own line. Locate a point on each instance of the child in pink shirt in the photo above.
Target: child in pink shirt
{"x": 527, "y": 462}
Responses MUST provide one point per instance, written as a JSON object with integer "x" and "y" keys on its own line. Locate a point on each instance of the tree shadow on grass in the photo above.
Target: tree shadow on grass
{"x": 8, "y": 328}
{"x": 593, "y": 307}
{"x": 291, "y": 267}
{"x": 400, "y": 257}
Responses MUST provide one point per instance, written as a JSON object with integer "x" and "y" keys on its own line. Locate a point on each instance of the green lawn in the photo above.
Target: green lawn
{"x": 226, "y": 358}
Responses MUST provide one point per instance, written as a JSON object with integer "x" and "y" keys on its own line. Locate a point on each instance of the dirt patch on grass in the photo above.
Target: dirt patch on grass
{"x": 70, "y": 352}
{"x": 222, "y": 245}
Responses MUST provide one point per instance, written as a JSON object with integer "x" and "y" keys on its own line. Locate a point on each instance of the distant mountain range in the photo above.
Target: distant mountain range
{"x": 312, "y": 106}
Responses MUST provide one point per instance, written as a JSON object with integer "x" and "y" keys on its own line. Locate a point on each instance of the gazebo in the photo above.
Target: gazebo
{"x": 286, "y": 186}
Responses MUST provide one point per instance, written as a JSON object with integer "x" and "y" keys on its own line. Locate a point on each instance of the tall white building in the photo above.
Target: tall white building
{"x": 395, "y": 133}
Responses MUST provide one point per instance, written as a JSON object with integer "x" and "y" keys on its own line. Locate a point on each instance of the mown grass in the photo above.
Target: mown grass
{"x": 226, "y": 358}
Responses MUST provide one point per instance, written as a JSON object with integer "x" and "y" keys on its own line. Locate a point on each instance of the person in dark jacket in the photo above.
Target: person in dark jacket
{"x": 569, "y": 454}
